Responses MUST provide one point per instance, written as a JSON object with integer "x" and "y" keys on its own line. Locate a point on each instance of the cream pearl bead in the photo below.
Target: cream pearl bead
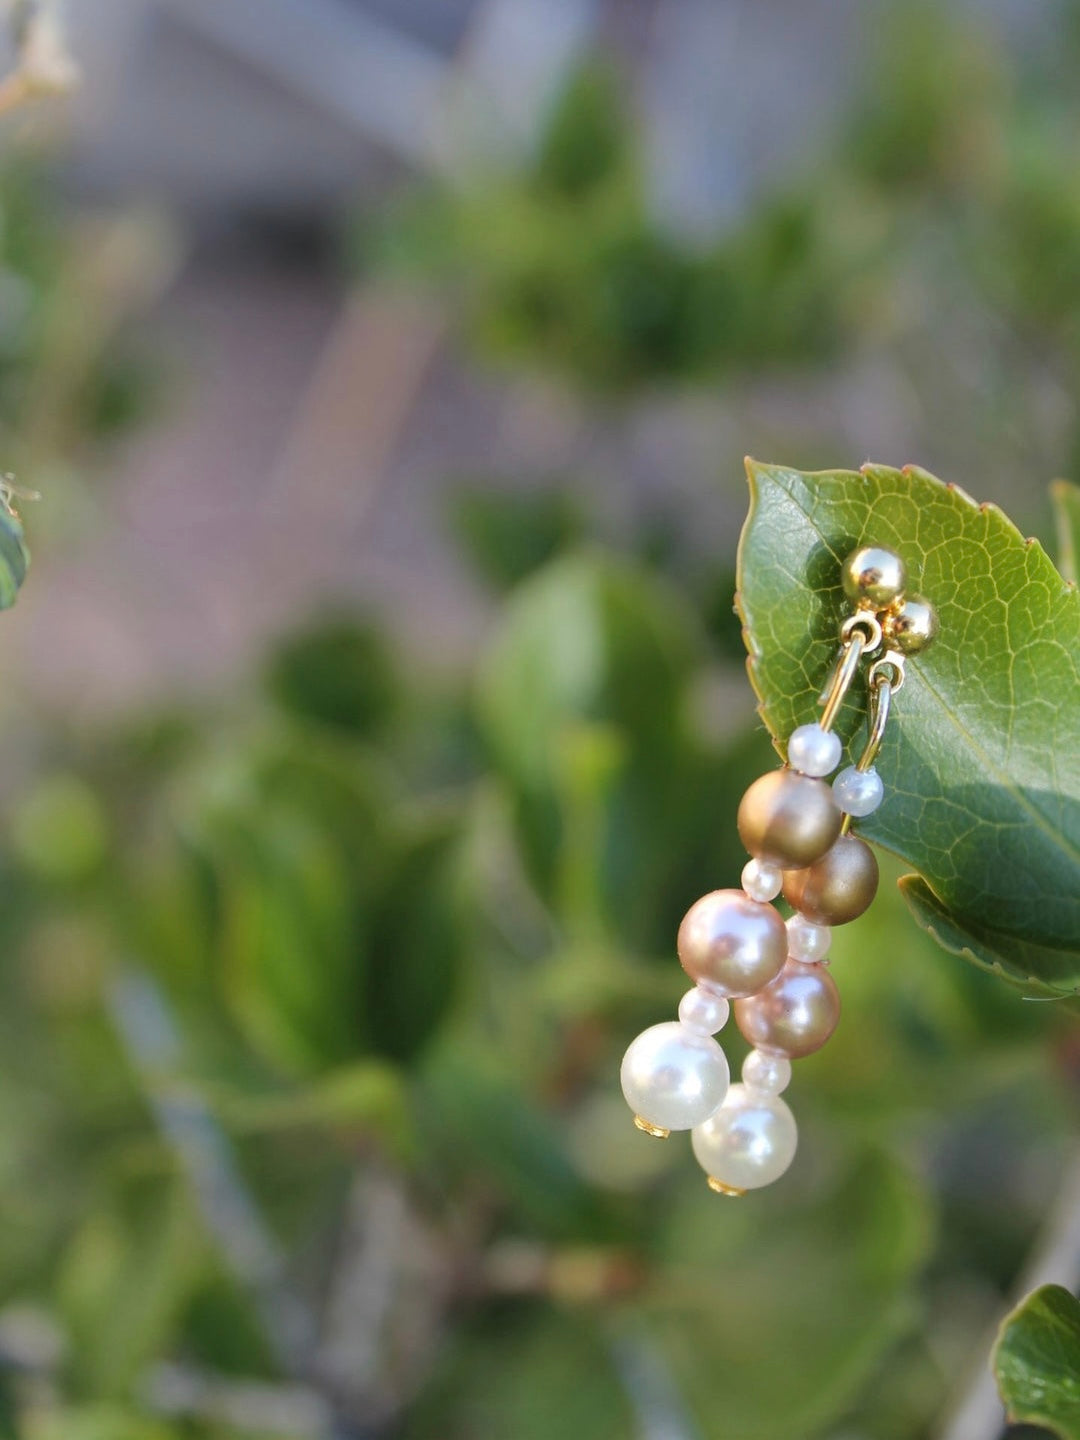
{"x": 858, "y": 792}
{"x": 806, "y": 941}
{"x": 673, "y": 1077}
{"x": 704, "y": 1011}
{"x": 749, "y": 1142}
{"x": 732, "y": 944}
{"x": 814, "y": 751}
{"x": 762, "y": 881}
{"x": 767, "y": 1073}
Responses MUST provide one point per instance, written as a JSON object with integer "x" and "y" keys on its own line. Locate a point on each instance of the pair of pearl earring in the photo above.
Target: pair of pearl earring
{"x": 735, "y": 945}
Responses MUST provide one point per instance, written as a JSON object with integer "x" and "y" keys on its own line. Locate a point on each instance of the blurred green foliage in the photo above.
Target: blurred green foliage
{"x": 367, "y": 979}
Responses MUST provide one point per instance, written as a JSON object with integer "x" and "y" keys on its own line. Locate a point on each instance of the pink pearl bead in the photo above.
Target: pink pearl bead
{"x": 731, "y": 944}
{"x": 795, "y": 1015}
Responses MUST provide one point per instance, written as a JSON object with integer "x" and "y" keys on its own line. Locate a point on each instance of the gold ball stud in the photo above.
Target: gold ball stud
{"x": 838, "y": 887}
{"x": 873, "y": 575}
{"x": 788, "y": 819}
{"x": 911, "y": 625}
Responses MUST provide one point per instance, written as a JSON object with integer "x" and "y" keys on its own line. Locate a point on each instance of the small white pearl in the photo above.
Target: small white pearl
{"x": 858, "y": 792}
{"x": 674, "y": 1077}
{"x": 704, "y": 1011}
{"x": 806, "y": 941}
{"x": 749, "y": 1142}
{"x": 762, "y": 881}
{"x": 768, "y": 1074}
{"x": 814, "y": 751}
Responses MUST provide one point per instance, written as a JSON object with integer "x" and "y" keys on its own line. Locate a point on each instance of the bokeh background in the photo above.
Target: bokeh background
{"x": 375, "y": 707}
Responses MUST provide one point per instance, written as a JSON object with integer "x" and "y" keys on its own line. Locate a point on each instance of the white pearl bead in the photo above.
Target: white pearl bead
{"x": 814, "y": 751}
{"x": 749, "y": 1142}
{"x": 858, "y": 792}
{"x": 674, "y": 1077}
{"x": 768, "y": 1074}
{"x": 703, "y": 1011}
{"x": 762, "y": 881}
{"x": 806, "y": 941}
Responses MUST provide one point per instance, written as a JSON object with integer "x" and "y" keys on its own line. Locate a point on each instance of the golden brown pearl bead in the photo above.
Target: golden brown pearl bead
{"x": 788, "y": 819}
{"x": 838, "y": 887}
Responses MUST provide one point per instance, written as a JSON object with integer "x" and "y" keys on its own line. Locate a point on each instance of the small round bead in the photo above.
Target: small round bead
{"x": 837, "y": 888}
{"x": 703, "y": 1011}
{"x": 814, "y": 751}
{"x": 806, "y": 941}
{"x": 762, "y": 881}
{"x": 767, "y": 1073}
{"x": 795, "y": 1015}
{"x": 873, "y": 574}
{"x": 674, "y": 1077}
{"x": 911, "y": 626}
{"x": 731, "y": 944}
{"x": 749, "y": 1142}
{"x": 788, "y": 819}
{"x": 858, "y": 792}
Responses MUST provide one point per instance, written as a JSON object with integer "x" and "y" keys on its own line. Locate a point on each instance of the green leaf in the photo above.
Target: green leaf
{"x": 125, "y": 1278}
{"x": 1066, "y": 500}
{"x": 14, "y": 556}
{"x": 1037, "y": 1361}
{"x": 1042, "y": 971}
{"x": 982, "y": 760}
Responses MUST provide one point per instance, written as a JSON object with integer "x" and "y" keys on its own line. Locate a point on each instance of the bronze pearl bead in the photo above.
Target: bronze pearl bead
{"x": 732, "y": 944}
{"x": 795, "y": 1015}
{"x": 838, "y": 887}
{"x": 788, "y": 819}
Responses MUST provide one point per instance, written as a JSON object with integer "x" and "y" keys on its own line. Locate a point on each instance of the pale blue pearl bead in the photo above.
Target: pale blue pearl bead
{"x": 703, "y": 1010}
{"x": 858, "y": 792}
{"x": 814, "y": 751}
{"x": 674, "y": 1077}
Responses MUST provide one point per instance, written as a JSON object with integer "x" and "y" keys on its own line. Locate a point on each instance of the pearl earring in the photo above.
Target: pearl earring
{"x": 735, "y": 945}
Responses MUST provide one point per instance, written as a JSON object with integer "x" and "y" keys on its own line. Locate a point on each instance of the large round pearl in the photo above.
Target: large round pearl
{"x": 873, "y": 574}
{"x": 749, "y": 1142}
{"x": 838, "y": 887}
{"x": 704, "y": 1010}
{"x": 795, "y": 1015}
{"x": 814, "y": 751}
{"x": 674, "y": 1077}
{"x": 788, "y": 819}
{"x": 732, "y": 944}
{"x": 858, "y": 792}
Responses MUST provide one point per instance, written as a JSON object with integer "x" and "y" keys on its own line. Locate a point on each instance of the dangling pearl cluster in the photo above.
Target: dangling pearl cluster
{"x": 736, "y": 947}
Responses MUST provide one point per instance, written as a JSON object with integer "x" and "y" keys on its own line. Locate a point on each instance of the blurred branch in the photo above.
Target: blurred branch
{"x": 294, "y": 1411}
{"x": 980, "y": 1414}
{"x": 44, "y": 66}
{"x": 146, "y": 1028}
